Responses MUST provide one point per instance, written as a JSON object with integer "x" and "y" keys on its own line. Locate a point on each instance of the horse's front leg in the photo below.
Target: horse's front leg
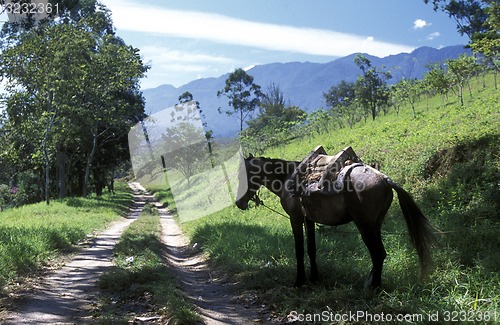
{"x": 311, "y": 248}
{"x": 298, "y": 236}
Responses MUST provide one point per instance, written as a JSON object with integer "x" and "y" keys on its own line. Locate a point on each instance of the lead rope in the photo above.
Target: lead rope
{"x": 258, "y": 202}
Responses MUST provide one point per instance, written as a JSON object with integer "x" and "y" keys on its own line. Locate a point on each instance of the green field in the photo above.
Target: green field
{"x": 32, "y": 236}
{"x": 447, "y": 158}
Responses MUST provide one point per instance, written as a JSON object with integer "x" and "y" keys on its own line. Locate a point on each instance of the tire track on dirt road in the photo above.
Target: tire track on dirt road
{"x": 217, "y": 300}
{"x": 67, "y": 295}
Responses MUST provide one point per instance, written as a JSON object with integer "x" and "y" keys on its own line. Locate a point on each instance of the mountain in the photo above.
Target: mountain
{"x": 303, "y": 83}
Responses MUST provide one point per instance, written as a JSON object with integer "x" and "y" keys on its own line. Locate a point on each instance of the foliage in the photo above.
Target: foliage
{"x": 140, "y": 278}
{"x": 72, "y": 93}
{"x": 243, "y": 94}
{"x": 438, "y": 80}
{"x": 470, "y": 15}
{"x": 343, "y": 102}
{"x": 408, "y": 91}
{"x": 371, "y": 87}
{"x": 480, "y": 21}
{"x": 461, "y": 71}
{"x": 488, "y": 43}
{"x": 276, "y": 123}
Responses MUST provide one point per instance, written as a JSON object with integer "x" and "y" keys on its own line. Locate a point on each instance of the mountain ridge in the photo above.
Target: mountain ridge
{"x": 302, "y": 83}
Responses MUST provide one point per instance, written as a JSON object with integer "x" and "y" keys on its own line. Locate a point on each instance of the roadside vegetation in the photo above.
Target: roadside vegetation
{"x": 34, "y": 236}
{"x": 140, "y": 287}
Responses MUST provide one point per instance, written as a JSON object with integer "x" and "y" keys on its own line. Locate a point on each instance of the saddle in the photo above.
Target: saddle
{"x": 319, "y": 173}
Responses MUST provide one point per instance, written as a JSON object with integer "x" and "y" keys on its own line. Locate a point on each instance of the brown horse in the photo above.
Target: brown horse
{"x": 365, "y": 198}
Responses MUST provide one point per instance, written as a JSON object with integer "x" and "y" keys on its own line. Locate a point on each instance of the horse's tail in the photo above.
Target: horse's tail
{"x": 422, "y": 233}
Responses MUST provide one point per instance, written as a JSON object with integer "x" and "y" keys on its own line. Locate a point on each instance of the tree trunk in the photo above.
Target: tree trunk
{"x": 48, "y": 127}
{"x": 461, "y": 95}
{"x": 90, "y": 158}
{"x": 100, "y": 182}
{"x": 61, "y": 160}
{"x": 241, "y": 120}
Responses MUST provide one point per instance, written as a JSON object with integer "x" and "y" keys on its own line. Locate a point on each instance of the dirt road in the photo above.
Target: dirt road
{"x": 67, "y": 295}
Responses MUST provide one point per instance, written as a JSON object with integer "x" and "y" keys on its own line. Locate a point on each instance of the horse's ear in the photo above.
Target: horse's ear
{"x": 250, "y": 156}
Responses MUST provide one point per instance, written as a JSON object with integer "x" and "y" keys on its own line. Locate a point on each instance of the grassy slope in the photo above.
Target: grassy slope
{"x": 32, "y": 235}
{"x": 448, "y": 158}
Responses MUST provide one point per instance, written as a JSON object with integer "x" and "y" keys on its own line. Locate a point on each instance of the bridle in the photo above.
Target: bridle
{"x": 255, "y": 198}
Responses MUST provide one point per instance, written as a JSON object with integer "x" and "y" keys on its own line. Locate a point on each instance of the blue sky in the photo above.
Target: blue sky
{"x": 184, "y": 40}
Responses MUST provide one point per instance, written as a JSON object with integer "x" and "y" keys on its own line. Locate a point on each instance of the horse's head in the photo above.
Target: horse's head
{"x": 248, "y": 183}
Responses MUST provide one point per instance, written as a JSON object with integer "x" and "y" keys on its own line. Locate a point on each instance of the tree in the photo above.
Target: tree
{"x": 273, "y": 102}
{"x": 113, "y": 97}
{"x": 71, "y": 91}
{"x": 341, "y": 98}
{"x": 488, "y": 43}
{"x": 438, "y": 80}
{"x": 408, "y": 89}
{"x": 461, "y": 71}
{"x": 470, "y": 15}
{"x": 275, "y": 123}
{"x": 186, "y": 137}
{"x": 371, "y": 87}
{"x": 40, "y": 76}
{"x": 243, "y": 94}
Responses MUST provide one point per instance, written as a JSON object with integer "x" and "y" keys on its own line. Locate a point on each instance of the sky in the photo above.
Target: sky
{"x": 184, "y": 40}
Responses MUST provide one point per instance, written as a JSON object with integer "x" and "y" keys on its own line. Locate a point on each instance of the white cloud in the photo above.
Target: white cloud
{"x": 228, "y": 30}
{"x": 249, "y": 67}
{"x": 165, "y": 55}
{"x": 433, "y": 36}
{"x": 420, "y": 23}
{"x": 168, "y": 64}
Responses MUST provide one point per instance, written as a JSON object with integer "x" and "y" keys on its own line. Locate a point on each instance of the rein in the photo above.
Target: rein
{"x": 255, "y": 198}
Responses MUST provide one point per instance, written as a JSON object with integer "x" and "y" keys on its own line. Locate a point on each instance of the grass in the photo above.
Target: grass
{"x": 32, "y": 236}
{"x": 448, "y": 158}
{"x": 140, "y": 283}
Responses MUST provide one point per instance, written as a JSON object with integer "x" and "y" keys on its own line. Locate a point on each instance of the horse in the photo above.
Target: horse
{"x": 364, "y": 199}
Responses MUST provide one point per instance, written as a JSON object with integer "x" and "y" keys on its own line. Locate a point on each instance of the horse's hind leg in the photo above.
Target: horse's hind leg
{"x": 311, "y": 248}
{"x": 373, "y": 240}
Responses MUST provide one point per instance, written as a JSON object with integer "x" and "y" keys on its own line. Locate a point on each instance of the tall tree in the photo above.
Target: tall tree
{"x": 243, "y": 94}
{"x": 371, "y": 87}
